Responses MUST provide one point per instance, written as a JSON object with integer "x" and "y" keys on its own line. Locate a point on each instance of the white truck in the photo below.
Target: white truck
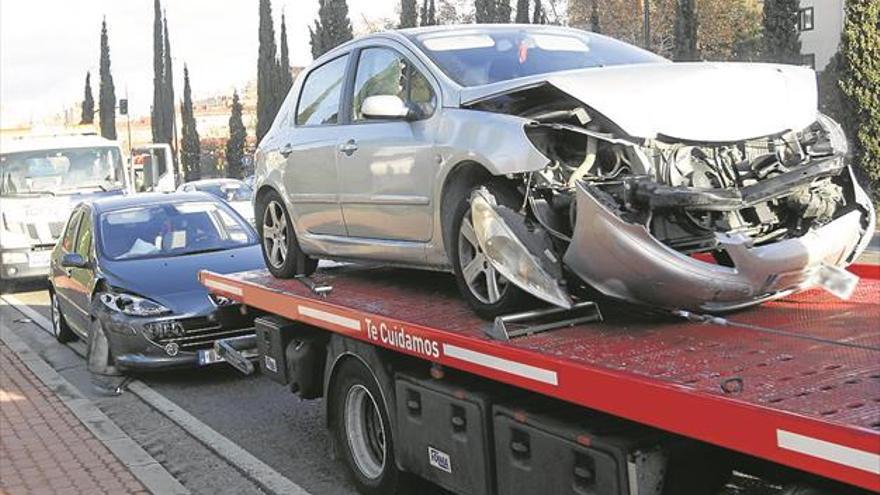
{"x": 41, "y": 179}
{"x": 152, "y": 168}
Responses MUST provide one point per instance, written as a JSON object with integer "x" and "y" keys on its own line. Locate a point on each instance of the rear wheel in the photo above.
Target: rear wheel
{"x": 486, "y": 290}
{"x": 60, "y": 329}
{"x": 281, "y": 250}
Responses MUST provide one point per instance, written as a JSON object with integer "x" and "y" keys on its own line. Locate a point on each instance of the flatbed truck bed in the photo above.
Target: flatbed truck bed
{"x": 795, "y": 382}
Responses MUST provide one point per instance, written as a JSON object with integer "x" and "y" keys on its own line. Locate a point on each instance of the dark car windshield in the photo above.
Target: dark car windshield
{"x": 474, "y": 58}
{"x": 171, "y": 229}
{"x": 61, "y": 170}
{"x": 227, "y": 191}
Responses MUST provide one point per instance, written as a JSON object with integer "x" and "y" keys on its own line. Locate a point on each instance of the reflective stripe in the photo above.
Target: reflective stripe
{"x": 514, "y": 368}
{"x": 841, "y": 454}
{"x": 231, "y": 289}
{"x": 334, "y": 318}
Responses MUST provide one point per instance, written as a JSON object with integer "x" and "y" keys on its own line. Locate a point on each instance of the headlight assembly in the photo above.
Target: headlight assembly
{"x": 836, "y": 136}
{"x": 132, "y": 305}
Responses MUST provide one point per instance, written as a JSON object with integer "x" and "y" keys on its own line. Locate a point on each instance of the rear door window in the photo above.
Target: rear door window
{"x": 320, "y": 96}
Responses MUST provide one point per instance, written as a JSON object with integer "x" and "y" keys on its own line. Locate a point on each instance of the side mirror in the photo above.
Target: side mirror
{"x": 74, "y": 260}
{"x": 385, "y": 107}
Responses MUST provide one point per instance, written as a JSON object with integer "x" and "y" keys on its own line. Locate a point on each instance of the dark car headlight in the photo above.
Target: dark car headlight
{"x": 132, "y": 305}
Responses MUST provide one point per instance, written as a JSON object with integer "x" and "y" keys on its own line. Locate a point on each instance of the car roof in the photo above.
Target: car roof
{"x": 40, "y": 143}
{"x": 107, "y": 204}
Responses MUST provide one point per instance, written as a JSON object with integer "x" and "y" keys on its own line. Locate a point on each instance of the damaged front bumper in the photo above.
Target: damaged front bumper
{"x": 623, "y": 260}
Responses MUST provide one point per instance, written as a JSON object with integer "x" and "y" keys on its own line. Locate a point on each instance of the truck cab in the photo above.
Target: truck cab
{"x": 41, "y": 180}
{"x": 152, "y": 168}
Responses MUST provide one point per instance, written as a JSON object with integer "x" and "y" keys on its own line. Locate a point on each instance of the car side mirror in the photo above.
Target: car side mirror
{"x": 74, "y": 260}
{"x": 386, "y": 107}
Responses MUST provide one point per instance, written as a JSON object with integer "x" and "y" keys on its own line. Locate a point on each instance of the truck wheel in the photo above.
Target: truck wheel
{"x": 485, "y": 290}
{"x": 60, "y": 329}
{"x": 363, "y": 430}
{"x": 281, "y": 251}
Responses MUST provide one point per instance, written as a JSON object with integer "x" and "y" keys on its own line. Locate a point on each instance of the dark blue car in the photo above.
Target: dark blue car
{"x": 123, "y": 277}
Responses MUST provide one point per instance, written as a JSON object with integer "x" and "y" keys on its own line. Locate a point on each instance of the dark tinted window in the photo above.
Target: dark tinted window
{"x": 69, "y": 239}
{"x": 320, "y": 95}
{"x": 382, "y": 71}
{"x": 84, "y": 238}
{"x": 475, "y": 57}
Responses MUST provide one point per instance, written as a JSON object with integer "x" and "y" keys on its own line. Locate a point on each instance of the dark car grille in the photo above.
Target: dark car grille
{"x": 201, "y": 332}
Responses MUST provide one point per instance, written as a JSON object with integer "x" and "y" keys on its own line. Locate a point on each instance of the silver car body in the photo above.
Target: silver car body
{"x": 374, "y": 190}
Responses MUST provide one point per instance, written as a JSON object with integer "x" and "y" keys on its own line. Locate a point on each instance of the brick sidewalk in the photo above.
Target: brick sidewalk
{"x": 44, "y": 448}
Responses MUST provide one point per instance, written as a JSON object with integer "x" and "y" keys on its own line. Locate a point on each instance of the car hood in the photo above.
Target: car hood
{"x": 173, "y": 282}
{"x": 703, "y": 101}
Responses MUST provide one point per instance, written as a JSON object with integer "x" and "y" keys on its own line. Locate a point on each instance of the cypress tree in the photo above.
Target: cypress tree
{"x": 522, "y": 11}
{"x": 782, "y": 42}
{"x": 332, "y": 27}
{"x": 539, "y": 17}
{"x": 285, "y": 78}
{"x": 157, "y": 119}
{"x": 492, "y": 11}
{"x": 88, "y": 104}
{"x": 169, "y": 124}
{"x": 266, "y": 72}
{"x": 190, "y": 148}
{"x": 594, "y": 17}
{"x": 235, "y": 143}
{"x": 429, "y": 13}
{"x": 106, "y": 91}
{"x": 860, "y": 83}
{"x": 408, "y": 14}
{"x": 685, "y": 39}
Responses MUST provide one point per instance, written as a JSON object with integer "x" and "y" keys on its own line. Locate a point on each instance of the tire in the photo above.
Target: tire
{"x": 99, "y": 356}
{"x": 60, "y": 329}
{"x": 486, "y": 297}
{"x": 280, "y": 248}
{"x": 363, "y": 430}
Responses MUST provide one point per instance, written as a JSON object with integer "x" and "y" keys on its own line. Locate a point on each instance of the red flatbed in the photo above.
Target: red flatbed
{"x": 796, "y": 381}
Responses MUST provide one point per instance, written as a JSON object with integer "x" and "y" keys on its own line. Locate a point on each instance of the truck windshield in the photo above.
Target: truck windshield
{"x": 477, "y": 57}
{"x": 60, "y": 171}
{"x": 171, "y": 229}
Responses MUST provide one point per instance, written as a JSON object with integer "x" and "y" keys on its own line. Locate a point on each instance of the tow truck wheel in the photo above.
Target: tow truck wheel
{"x": 60, "y": 329}
{"x": 363, "y": 430}
{"x": 281, "y": 251}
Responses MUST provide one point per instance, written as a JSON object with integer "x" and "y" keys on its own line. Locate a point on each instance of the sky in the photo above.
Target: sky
{"x": 46, "y": 47}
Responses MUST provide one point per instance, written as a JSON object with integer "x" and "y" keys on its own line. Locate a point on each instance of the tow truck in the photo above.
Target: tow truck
{"x": 603, "y": 399}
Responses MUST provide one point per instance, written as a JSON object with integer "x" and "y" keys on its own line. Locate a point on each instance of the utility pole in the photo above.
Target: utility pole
{"x": 647, "y": 22}
{"x": 130, "y": 157}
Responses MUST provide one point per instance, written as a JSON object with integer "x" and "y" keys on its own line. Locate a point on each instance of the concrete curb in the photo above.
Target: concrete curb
{"x": 141, "y": 464}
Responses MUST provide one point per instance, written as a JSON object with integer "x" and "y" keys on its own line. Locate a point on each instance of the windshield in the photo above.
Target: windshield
{"x": 227, "y": 191}
{"x": 61, "y": 170}
{"x": 474, "y": 58}
{"x": 171, "y": 229}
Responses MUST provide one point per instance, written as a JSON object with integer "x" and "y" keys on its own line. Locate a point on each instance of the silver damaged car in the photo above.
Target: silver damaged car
{"x": 550, "y": 163}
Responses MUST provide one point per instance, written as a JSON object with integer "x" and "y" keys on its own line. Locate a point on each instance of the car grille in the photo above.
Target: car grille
{"x": 201, "y": 332}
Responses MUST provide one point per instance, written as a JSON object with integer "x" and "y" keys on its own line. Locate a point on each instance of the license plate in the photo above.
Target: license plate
{"x": 39, "y": 259}
{"x": 209, "y": 356}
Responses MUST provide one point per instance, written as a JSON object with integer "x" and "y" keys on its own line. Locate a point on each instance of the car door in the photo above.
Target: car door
{"x": 81, "y": 279}
{"x": 387, "y": 168}
{"x": 308, "y": 148}
{"x": 61, "y": 276}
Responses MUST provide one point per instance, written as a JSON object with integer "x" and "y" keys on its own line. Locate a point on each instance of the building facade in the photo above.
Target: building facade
{"x": 821, "y": 24}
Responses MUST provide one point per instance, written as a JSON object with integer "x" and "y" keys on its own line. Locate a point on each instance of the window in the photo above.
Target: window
{"x": 319, "y": 98}
{"x": 805, "y": 19}
{"x": 70, "y": 234}
{"x": 809, "y": 60}
{"x": 84, "y": 238}
{"x": 382, "y": 71}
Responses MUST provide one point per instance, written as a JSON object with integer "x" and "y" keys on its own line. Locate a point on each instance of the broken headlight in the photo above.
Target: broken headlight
{"x": 509, "y": 255}
{"x": 836, "y": 136}
{"x": 132, "y": 305}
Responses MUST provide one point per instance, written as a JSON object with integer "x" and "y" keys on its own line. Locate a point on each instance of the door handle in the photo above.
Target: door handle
{"x": 349, "y": 147}
{"x": 286, "y": 150}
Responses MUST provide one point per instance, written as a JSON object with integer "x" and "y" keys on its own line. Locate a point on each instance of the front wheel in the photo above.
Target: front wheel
{"x": 281, "y": 250}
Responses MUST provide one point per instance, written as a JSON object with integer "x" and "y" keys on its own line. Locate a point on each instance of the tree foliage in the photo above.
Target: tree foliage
{"x": 492, "y": 11}
{"x": 267, "y": 74}
{"x": 285, "y": 78}
{"x": 88, "y": 103}
{"x": 429, "y": 13}
{"x": 539, "y": 17}
{"x": 522, "y": 11}
{"x": 408, "y": 14}
{"x": 162, "y": 117}
{"x": 106, "y": 91}
{"x": 332, "y": 27}
{"x": 190, "y": 147}
{"x": 235, "y": 143}
{"x": 782, "y": 43}
{"x": 685, "y": 37}
{"x": 860, "y": 83}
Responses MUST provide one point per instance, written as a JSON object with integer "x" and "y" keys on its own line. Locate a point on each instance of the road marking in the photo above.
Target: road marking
{"x": 252, "y": 468}
{"x": 512, "y": 367}
{"x": 231, "y": 289}
{"x": 318, "y": 314}
{"x": 834, "y": 452}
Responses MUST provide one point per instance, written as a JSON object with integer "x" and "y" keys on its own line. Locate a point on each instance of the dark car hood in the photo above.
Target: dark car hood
{"x": 173, "y": 282}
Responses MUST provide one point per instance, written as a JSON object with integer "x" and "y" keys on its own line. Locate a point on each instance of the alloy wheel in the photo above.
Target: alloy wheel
{"x": 275, "y": 234}
{"x": 484, "y": 282}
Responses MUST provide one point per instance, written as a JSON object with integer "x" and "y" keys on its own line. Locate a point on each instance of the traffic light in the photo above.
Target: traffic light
{"x": 123, "y": 107}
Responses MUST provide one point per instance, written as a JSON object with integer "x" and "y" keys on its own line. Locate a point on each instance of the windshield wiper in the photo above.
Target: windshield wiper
{"x": 203, "y": 251}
